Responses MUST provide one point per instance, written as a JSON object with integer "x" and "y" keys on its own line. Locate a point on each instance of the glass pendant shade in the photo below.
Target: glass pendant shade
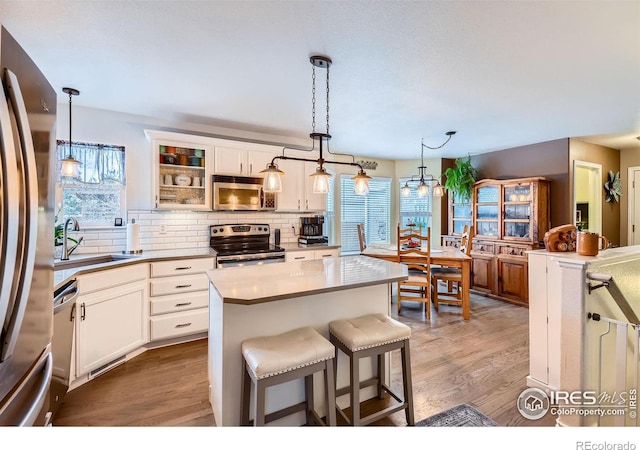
{"x": 361, "y": 186}
{"x": 272, "y": 181}
{"x": 406, "y": 190}
{"x": 69, "y": 167}
{"x": 320, "y": 181}
{"x": 423, "y": 189}
{"x": 438, "y": 190}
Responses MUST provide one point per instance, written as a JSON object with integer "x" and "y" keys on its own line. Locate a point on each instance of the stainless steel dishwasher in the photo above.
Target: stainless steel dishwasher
{"x": 64, "y": 309}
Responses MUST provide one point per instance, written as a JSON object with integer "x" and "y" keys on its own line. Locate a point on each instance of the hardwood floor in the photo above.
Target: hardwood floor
{"x": 482, "y": 362}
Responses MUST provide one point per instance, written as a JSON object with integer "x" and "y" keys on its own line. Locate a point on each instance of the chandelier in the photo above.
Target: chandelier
{"x": 272, "y": 181}
{"x": 423, "y": 187}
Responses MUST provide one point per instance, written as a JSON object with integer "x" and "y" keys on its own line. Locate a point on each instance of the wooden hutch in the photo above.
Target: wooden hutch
{"x": 509, "y": 218}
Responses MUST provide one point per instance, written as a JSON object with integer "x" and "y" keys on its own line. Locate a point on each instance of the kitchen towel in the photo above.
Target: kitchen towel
{"x": 133, "y": 237}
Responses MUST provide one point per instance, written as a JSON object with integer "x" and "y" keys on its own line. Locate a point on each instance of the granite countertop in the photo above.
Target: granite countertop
{"x": 62, "y": 275}
{"x": 295, "y": 247}
{"x": 257, "y": 284}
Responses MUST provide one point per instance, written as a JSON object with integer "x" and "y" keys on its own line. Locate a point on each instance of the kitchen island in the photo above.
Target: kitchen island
{"x": 252, "y": 301}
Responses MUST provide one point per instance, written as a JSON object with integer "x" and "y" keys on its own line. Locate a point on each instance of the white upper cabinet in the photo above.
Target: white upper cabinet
{"x": 297, "y": 187}
{"x": 242, "y": 160}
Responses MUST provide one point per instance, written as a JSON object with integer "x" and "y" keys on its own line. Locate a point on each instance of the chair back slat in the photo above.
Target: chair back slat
{"x": 466, "y": 239}
{"x": 361, "y": 237}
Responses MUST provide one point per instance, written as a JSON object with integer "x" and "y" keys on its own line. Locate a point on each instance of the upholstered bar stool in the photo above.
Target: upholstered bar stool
{"x": 373, "y": 335}
{"x": 272, "y": 360}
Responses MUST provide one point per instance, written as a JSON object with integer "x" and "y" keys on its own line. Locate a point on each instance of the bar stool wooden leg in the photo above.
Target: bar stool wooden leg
{"x": 406, "y": 380}
{"x": 245, "y": 394}
{"x": 259, "y": 404}
{"x": 329, "y": 391}
{"x": 308, "y": 388}
{"x": 355, "y": 390}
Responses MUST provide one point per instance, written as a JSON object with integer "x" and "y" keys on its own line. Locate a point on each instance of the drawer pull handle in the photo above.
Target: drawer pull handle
{"x": 182, "y": 304}
{"x": 299, "y": 257}
{"x": 182, "y": 325}
{"x": 183, "y": 268}
{"x": 180, "y": 286}
{"x": 326, "y": 256}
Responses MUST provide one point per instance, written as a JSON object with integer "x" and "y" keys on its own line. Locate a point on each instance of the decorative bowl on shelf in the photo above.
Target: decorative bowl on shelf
{"x": 168, "y": 158}
{"x": 182, "y": 180}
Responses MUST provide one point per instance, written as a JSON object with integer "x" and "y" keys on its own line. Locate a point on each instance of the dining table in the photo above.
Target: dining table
{"x": 442, "y": 256}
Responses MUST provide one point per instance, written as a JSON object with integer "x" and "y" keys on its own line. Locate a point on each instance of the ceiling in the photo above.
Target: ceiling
{"x": 501, "y": 74}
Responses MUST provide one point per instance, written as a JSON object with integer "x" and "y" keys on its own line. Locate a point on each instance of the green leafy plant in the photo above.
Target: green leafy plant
{"x": 461, "y": 178}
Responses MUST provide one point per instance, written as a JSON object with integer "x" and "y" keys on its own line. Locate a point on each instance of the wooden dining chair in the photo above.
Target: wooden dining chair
{"x": 361, "y": 237}
{"x": 451, "y": 275}
{"x": 414, "y": 250}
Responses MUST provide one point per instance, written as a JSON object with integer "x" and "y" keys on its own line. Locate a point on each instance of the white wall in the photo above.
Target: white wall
{"x": 99, "y": 126}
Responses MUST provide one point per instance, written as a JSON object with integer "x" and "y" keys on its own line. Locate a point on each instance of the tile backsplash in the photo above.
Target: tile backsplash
{"x": 163, "y": 230}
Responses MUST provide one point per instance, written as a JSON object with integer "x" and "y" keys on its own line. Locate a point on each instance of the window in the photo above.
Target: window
{"x": 373, "y": 210}
{"x": 97, "y": 195}
{"x": 414, "y": 209}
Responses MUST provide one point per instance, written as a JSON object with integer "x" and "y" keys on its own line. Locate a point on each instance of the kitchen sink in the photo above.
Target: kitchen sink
{"x": 89, "y": 260}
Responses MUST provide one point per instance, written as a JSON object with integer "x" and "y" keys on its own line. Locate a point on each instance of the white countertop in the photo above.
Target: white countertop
{"x": 611, "y": 255}
{"x": 269, "y": 282}
{"x": 61, "y": 276}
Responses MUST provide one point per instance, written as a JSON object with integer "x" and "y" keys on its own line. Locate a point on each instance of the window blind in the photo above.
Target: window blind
{"x": 414, "y": 209}
{"x": 373, "y": 210}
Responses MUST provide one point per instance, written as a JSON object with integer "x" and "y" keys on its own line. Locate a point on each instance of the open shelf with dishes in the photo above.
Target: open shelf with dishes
{"x": 183, "y": 167}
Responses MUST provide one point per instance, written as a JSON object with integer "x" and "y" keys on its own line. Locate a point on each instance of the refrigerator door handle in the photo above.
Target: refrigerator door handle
{"x": 9, "y": 204}
{"x": 36, "y": 386}
{"x": 30, "y": 215}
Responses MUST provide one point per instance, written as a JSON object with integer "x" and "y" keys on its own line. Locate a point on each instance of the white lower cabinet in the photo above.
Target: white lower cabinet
{"x": 111, "y": 321}
{"x": 311, "y": 254}
{"x": 179, "y": 298}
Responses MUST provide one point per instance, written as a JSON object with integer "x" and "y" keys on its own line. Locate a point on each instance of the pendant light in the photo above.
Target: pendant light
{"x": 423, "y": 186}
{"x": 70, "y": 165}
{"x": 272, "y": 181}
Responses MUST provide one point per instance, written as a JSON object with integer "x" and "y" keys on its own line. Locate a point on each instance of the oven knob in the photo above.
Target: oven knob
{"x": 221, "y": 230}
{"x": 215, "y": 231}
{"x": 259, "y": 228}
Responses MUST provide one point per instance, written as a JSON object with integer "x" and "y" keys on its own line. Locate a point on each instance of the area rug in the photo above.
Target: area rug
{"x": 461, "y": 415}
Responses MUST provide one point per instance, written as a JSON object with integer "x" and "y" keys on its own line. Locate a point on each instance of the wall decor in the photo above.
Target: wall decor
{"x": 613, "y": 187}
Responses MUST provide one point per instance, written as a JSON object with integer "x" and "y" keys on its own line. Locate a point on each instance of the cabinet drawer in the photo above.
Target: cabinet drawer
{"x": 328, "y": 253}
{"x": 181, "y": 267}
{"x": 179, "y": 302}
{"x": 179, "y": 324}
{"x": 104, "y": 279}
{"x": 512, "y": 250}
{"x": 483, "y": 247}
{"x": 299, "y": 256}
{"x": 178, "y": 285}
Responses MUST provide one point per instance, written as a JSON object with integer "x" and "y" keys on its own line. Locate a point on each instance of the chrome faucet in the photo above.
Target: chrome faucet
{"x": 66, "y": 251}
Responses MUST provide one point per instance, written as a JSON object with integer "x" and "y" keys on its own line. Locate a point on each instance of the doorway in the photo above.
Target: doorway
{"x": 587, "y": 196}
{"x": 633, "y": 235}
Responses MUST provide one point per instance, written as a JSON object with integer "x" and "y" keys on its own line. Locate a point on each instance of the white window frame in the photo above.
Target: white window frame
{"x": 422, "y": 217}
{"x": 373, "y": 211}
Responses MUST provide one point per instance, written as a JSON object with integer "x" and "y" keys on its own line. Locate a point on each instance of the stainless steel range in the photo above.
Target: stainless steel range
{"x": 243, "y": 245}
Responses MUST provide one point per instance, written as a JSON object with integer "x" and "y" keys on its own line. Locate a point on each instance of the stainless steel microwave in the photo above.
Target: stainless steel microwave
{"x": 231, "y": 193}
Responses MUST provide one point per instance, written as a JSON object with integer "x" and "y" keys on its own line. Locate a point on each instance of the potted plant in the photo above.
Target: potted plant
{"x": 461, "y": 178}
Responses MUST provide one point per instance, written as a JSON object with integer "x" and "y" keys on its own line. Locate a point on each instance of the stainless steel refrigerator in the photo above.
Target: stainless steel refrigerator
{"x": 27, "y": 143}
